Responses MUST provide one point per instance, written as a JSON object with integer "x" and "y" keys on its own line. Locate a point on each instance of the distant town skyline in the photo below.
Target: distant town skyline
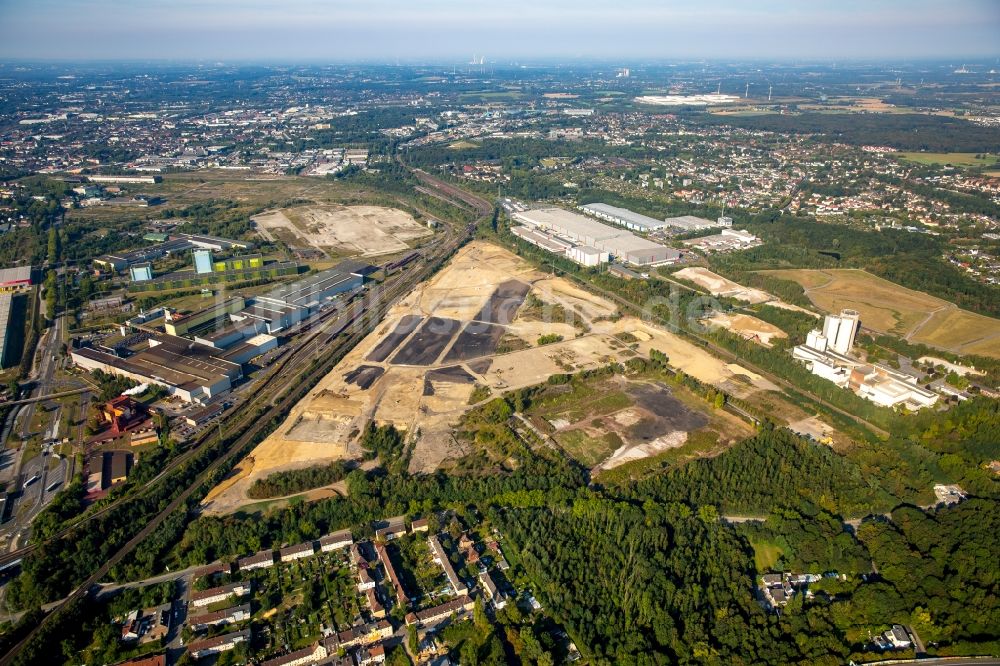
{"x": 386, "y": 30}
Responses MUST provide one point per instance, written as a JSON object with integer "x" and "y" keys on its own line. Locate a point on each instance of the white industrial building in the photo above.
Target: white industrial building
{"x": 840, "y": 332}
{"x": 725, "y": 241}
{"x": 623, "y": 217}
{"x": 685, "y": 223}
{"x": 578, "y": 230}
{"x": 826, "y": 354}
{"x": 6, "y": 300}
{"x": 587, "y": 256}
{"x": 292, "y": 303}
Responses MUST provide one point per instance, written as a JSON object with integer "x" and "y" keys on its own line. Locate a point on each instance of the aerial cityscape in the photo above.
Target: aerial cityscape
{"x": 543, "y": 333}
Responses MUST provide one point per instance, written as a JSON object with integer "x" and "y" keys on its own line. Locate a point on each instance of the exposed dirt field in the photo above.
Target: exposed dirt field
{"x": 476, "y": 340}
{"x": 749, "y": 327}
{"x": 363, "y": 230}
{"x": 720, "y": 286}
{"x": 428, "y": 342}
{"x": 419, "y": 368}
{"x": 390, "y": 343}
{"x": 889, "y": 308}
{"x": 607, "y": 422}
{"x": 502, "y": 305}
{"x": 812, "y": 427}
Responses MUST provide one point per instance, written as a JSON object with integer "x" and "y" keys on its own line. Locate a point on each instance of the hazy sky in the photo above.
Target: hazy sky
{"x": 502, "y": 30}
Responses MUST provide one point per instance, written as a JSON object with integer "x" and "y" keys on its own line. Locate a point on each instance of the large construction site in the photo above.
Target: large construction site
{"x": 347, "y": 230}
{"x": 477, "y": 322}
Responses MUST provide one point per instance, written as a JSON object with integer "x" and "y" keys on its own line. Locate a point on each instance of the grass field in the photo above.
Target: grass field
{"x": 887, "y": 307}
{"x": 765, "y": 554}
{"x": 954, "y": 159}
{"x": 463, "y": 145}
{"x": 587, "y": 450}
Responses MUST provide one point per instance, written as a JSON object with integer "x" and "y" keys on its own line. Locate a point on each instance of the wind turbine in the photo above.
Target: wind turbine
{"x": 746, "y": 93}
{"x": 768, "y": 92}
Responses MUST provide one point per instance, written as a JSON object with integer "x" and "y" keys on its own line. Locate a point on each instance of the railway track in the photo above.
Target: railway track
{"x": 331, "y": 346}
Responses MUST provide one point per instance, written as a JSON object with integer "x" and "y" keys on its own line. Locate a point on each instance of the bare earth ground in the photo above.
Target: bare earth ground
{"x": 423, "y": 399}
{"x": 720, "y": 286}
{"x": 890, "y": 308}
{"x": 749, "y": 327}
{"x": 364, "y": 230}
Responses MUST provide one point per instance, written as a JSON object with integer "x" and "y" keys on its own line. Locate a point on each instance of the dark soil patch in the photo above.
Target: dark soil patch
{"x": 502, "y": 306}
{"x": 455, "y": 374}
{"x": 670, "y": 413}
{"x": 481, "y": 366}
{"x": 478, "y": 339}
{"x": 364, "y": 375}
{"x": 428, "y": 342}
{"x": 405, "y": 326}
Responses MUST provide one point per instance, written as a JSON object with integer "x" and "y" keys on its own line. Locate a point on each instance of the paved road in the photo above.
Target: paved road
{"x": 743, "y": 519}
{"x": 175, "y": 641}
{"x": 50, "y": 396}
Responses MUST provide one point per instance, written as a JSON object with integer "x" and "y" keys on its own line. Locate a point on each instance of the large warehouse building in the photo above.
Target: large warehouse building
{"x": 686, "y": 223}
{"x": 644, "y": 224}
{"x": 292, "y": 303}
{"x": 182, "y": 324}
{"x": 15, "y": 279}
{"x": 6, "y": 301}
{"x": 581, "y": 230}
{"x": 192, "y": 371}
{"x": 623, "y": 216}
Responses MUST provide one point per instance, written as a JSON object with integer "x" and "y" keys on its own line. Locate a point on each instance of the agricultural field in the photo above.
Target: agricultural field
{"x": 954, "y": 159}
{"x": 887, "y": 307}
{"x": 357, "y": 230}
{"x": 439, "y": 344}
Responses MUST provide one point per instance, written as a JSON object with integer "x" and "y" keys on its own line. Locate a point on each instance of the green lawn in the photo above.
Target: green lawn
{"x": 765, "y": 554}
{"x": 954, "y": 159}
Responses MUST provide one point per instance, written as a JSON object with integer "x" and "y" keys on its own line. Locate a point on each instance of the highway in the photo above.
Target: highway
{"x": 325, "y": 344}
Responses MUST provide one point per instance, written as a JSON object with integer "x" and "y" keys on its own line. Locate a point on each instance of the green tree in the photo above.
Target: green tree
{"x": 53, "y": 245}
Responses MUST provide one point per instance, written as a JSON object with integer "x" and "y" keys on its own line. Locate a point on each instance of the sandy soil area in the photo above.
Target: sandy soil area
{"x": 720, "y": 286}
{"x": 749, "y": 327}
{"x": 426, "y": 401}
{"x": 628, "y": 453}
{"x": 363, "y": 230}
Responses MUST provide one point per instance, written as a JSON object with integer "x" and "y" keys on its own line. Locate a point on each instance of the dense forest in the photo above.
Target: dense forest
{"x": 288, "y": 482}
{"x": 905, "y": 131}
{"x": 773, "y": 469}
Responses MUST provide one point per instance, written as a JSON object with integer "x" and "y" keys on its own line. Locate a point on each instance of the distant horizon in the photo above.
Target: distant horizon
{"x": 434, "y": 31}
{"x": 526, "y": 61}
